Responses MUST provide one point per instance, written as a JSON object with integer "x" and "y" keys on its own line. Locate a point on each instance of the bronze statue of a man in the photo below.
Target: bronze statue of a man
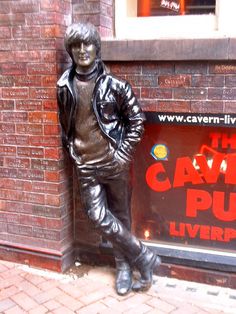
{"x": 102, "y": 123}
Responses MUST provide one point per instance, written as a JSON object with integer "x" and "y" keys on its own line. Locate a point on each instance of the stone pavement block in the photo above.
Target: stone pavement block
{"x": 47, "y": 295}
{"x": 28, "y": 287}
{"x": 6, "y": 304}
{"x": 15, "y": 310}
{"x": 39, "y": 310}
{"x": 69, "y": 302}
{"x": 164, "y": 306}
{"x": 63, "y": 310}
{"x": 52, "y": 305}
{"x": 73, "y": 291}
{"x": 187, "y": 308}
{"x": 94, "y": 308}
{"x": 132, "y": 302}
{"x": 110, "y": 301}
{"x": 95, "y": 295}
{"x": 7, "y": 292}
{"x": 24, "y": 301}
{"x": 140, "y": 309}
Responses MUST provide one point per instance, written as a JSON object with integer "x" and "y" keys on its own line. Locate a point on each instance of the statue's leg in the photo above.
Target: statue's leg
{"x": 93, "y": 195}
{"x": 118, "y": 193}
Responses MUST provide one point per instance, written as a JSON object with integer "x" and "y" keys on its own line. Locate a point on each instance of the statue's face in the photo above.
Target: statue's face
{"x": 84, "y": 55}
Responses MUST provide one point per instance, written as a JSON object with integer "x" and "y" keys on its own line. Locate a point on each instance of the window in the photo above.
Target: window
{"x": 175, "y": 7}
{"x": 153, "y": 19}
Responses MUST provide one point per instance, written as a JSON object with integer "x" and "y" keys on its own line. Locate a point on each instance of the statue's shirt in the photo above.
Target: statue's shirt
{"x": 90, "y": 143}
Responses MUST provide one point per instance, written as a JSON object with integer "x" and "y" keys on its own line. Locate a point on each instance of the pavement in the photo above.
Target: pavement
{"x": 90, "y": 290}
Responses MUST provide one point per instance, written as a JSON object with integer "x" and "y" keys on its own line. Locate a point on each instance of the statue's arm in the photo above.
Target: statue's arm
{"x": 62, "y": 101}
{"x": 133, "y": 118}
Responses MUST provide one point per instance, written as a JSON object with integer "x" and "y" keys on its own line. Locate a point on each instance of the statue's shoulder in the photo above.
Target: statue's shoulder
{"x": 115, "y": 81}
{"x": 64, "y": 79}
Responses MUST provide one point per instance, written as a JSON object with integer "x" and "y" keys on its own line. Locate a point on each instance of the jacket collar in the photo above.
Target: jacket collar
{"x": 67, "y": 77}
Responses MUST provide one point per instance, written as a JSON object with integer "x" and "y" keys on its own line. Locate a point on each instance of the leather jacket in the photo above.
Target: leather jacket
{"x": 115, "y": 106}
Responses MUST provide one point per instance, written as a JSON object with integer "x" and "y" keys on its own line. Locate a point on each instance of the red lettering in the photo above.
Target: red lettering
{"x": 217, "y": 234}
{"x": 210, "y": 174}
{"x": 205, "y": 232}
{"x": 230, "y": 174}
{"x": 218, "y": 206}
{"x": 215, "y": 139}
{"x": 192, "y": 230}
{"x": 152, "y": 178}
{"x": 185, "y": 172}
{"x": 197, "y": 200}
{"x": 228, "y": 141}
{"x": 229, "y": 234}
{"x": 177, "y": 233}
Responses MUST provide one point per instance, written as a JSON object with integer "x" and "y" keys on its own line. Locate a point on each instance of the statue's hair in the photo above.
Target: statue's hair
{"x": 85, "y": 32}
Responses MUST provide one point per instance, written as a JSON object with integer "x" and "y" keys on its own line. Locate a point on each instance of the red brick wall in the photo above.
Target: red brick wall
{"x": 182, "y": 86}
{"x": 35, "y": 194}
{"x": 98, "y": 12}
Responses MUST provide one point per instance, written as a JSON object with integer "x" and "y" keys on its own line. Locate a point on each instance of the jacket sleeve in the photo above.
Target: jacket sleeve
{"x": 62, "y": 101}
{"x": 133, "y": 119}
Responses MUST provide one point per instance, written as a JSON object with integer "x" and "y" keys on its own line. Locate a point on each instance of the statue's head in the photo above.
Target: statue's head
{"x": 79, "y": 36}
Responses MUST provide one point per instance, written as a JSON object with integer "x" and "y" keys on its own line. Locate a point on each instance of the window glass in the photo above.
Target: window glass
{"x": 175, "y": 7}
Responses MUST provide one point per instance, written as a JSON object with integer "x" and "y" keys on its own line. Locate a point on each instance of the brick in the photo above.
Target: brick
{"x": 30, "y": 80}
{"x": 126, "y": 68}
{"x": 6, "y": 304}
{"x": 20, "y": 230}
{"x": 13, "y": 68}
{"x": 50, "y": 105}
{"x": 26, "y": 32}
{"x": 40, "y": 44}
{"x": 22, "y": 163}
{"x": 46, "y": 211}
{"x": 7, "y": 150}
{"x": 29, "y": 105}
{"x": 17, "y": 207}
{"x": 35, "y": 175}
{"x": 51, "y": 129}
{"x": 25, "y": 6}
{"x": 32, "y": 220}
{"x": 7, "y": 128}
{"x": 5, "y": 56}
{"x": 230, "y": 106}
{"x": 49, "y": 80}
{"x": 54, "y": 200}
{"x": 5, "y": 7}
{"x": 24, "y": 301}
{"x": 43, "y": 117}
{"x": 42, "y": 18}
{"x": 222, "y": 94}
{"x": 50, "y": 31}
{"x": 5, "y": 32}
{"x": 230, "y": 81}
{"x": 34, "y": 152}
{"x": 15, "y": 116}
{"x": 15, "y": 139}
{"x": 43, "y": 187}
{"x": 223, "y": 68}
{"x": 43, "y": 164}
{"x": 45, "y": 141}
{"x": 34, "y": 129}
{"x": 142, "y": 80}
{"x": 207, "y": 106}
{"x": 151, "y": 68}
{"x": 12, "y": 19}
{"x": 6, "y": 105}
{"x": 174, "y": 81}
{"x": 8, "y": 173}
{"x": 53, "y": 153}
{"x": 148, "y": 92}
{"x": 191, "y": 68}
{"x": 41, "y": 69}
{"x": 27, "y": 56}
{"x": 6, "y": 81}
{"x": 8, "y": 183}
{"x": 48, "y": 56}
{"x": 15, "y": 93}
{"x": 190, "y": 93}
{"x": 46, "y": 234}
{"x": 208, "y": 81}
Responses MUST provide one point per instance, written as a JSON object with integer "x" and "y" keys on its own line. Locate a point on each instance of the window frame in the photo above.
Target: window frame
{"x": 129, "y": 26}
